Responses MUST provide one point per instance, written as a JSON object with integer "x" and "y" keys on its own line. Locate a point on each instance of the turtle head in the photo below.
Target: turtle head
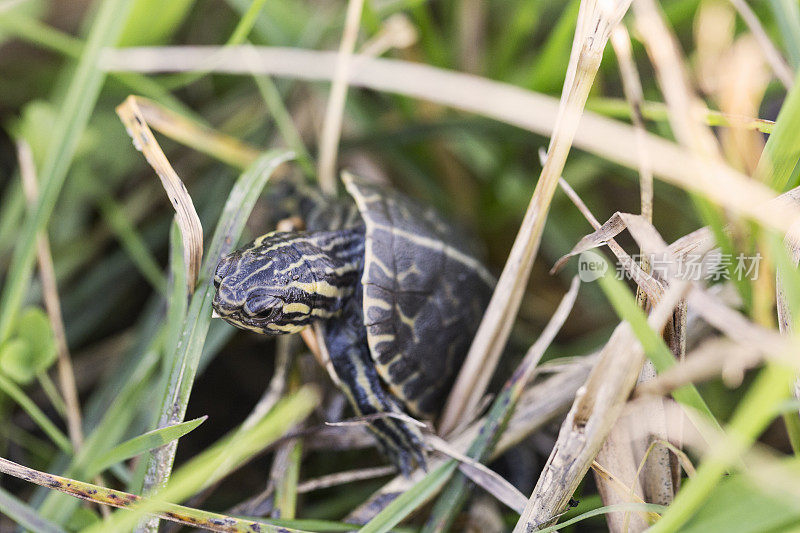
{"x": 279, "y": 283}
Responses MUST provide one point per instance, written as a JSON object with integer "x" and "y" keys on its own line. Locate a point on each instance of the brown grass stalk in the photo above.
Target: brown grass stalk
{"x": 539, "y": 404}
{"x": 657, "y": 472}
{"x": 594, "y": 26}
{"x": 332, "y": 125}
{"x": 776, "y": 61}
{"x": 52, "y": 303}
{"x": 605, "y": 137}
{"x": 596, "y": 409}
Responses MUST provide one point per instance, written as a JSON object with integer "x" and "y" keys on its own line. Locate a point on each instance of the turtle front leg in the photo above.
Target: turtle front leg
{"x": 346, "y": 340}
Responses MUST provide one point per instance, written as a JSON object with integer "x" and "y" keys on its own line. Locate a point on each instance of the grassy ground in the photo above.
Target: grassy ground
{"x": 102, "y": 344}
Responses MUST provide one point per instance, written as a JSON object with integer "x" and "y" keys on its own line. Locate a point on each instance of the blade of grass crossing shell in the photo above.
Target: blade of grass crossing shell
{"x": 238, "y": 447}
{"x": 75, "y": 110}
{"x": 454, "y": 495}
{"x": 410, "y": 500}
{"x": 175, "y": 398}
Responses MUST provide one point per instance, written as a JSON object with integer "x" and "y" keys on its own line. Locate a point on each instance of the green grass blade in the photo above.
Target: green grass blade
{"x": 787, "y": 15}
{"x": 154, "y": 21}
{"x": 223, "y": 457}
{"x": 36, "y": 414}
{"x": 47, "y": 37}
{"x": 620, "y": 507}
{"x": 310, "y": 524}
{"x": 409, "y": 501}
{"x": 547, "y": 73}
{"x": 240, "y": 202}
{"x": 30, "y": 29}
{"x": 286, "y": 487}
{"x": 111, "y": 428}
{"x": 141, "y": 444}
{"x": 11, "y": 209}
{"x": 753, "y": 414}
{"x": 284, "y": 122}
{"x": 779, "y": 159}
{"x": 240, "y": 33}
{"x": 131, "y": 240}
{"x": 624, "y": 303}
{"x": 24, "y": 515}
{"x": 82, "y": 93}
{"x": 455, "y": 494}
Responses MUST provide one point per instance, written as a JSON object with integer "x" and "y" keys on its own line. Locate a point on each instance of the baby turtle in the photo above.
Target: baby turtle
{"x": 397, "y": 291}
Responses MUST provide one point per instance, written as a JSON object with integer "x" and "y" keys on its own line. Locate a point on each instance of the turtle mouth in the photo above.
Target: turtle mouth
{"x": 237, "y": 315}
{"x": 241, "y": 320}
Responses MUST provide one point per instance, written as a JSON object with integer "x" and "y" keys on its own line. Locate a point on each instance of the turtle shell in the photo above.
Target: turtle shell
{"x": 424, "y": 294}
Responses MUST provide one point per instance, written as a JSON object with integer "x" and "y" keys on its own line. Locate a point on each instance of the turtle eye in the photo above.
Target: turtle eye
{"x": 261, "y": 305}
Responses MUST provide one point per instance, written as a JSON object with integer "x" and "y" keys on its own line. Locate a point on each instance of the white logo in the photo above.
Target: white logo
{"x": 591, "y": 266}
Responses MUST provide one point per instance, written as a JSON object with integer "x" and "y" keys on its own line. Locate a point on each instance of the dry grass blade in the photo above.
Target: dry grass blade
{"x": 604, "y": 234}
{"x": 191, "y": 133}
{"x": 714, "y": 311}
{"x": 539, "y": 404}
{"x": 397, "y": 32}
{"x": 342, "y": 478}
{"x": 735, "y": 325}
{"x": 481, "y": 475}
{"x": 456, "y": 491}
{"x": 776, "y": 61}
{"x": 632, "y": 86}
{"x": 713, "y": 358}
{"x": 607, "y": 138}
{"x": 594, "y": 26}
{"x": 188, "y": 221}
{"x": 622, "y": 489}
{"x": 595, "y": 410}
{"x": 620, "y": 464}
{"x": 332, "y": 126}
{"x": 52, "y": 303}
